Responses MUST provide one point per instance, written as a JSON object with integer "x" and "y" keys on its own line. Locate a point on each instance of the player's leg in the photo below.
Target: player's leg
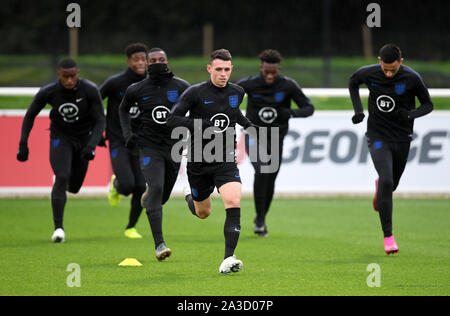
{"x": 137, "y": 191}
{"x": 78, "y": 172}
{"x": 231, "y": 197}
{"x": 383, "y": 161}
{"x": 264, "y": 185}
{"x": 201, "y": 187}
{"x": 153, "y": 168}
{"x": 272, "y": 176}
{"x": 382, "y": 157}
{"x": 228, "y": 182}
{"x": 401, "y": 154}
{"x": 122, "y": 181}
{"x": 61, "y": 162}
{"x": 260, "y": 187}
{"x": 171, "y": 177}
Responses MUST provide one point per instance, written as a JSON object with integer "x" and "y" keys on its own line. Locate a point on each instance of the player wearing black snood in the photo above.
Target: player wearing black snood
{"x": 154, "y": 97}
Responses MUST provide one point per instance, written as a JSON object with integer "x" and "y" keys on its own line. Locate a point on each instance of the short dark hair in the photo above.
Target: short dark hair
{"x": 67, "y": 63}
{"x": 390, "y": 53}
{"x": 156, "y": 49}
{"x": 270, "y": 56}
{"x": 221, "y": 54}
{"x": 135, "y": 48}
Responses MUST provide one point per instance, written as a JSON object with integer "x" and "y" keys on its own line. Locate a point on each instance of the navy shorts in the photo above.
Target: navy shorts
{"x": 204, "y": 177}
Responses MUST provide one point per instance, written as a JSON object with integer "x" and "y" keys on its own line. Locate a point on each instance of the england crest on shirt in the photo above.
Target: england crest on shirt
{"x": 279, "y": 96}
{"x": 233, "y": 100}
{"x": 400, "y": 88}
{"x": 172, "y": 95}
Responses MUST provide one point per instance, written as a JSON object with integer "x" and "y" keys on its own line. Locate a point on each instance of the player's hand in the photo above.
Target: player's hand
{"x": 131, "y": 141}
{"x": 102, "y": 142}
{"x": 22, "y": 154}
{"x": 358, "y": 118}
{"x": 88, "y": 152}
{"x": 404, "y": 115}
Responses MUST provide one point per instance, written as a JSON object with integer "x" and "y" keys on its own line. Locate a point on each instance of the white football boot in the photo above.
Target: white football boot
{"x": 59, "y": 236}
{"x": 231, "y": 264}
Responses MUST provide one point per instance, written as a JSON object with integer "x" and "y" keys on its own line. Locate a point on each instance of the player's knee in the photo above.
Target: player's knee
{"x": 61, "y": 182}
{"x": 203, "y": 213}
{"x": 386, "y": 184}
{"x": 155, "y": 191}
{"x": 125, "y": 187}
{"x": 140, "y": 188}
{"x": 234, "y": 202}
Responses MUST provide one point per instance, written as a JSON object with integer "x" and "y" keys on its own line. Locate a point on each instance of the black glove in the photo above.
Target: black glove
{"x": 102, "y": 142}
{"x": 131, "y": 141}
{"x": 358, "y": 118}
{"x": 22, "y": 154}
{"x": 404, "y": 115}
{"x": 88, "y": 152}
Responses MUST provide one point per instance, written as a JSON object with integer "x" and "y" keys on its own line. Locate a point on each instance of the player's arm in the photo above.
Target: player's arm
{"x": 125, "y": 120}
{"x": 38, "y": 103}
{"x": 243, "y": 83}
{"x": 426, "y": 105}
{"x": 353, "y": 86}
{"x": 98, "y": 116}
{"x": 305, "y": 107}
{"x": 240, "y": 118}
{"x": 105, "y": 88}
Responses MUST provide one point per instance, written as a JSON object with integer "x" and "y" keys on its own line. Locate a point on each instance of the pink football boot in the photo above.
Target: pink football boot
{"x": 389, "y": 245}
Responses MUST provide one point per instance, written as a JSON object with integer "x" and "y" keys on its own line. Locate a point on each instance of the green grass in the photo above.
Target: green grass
{"x": 320, "y": 103}
{"x": 316, "y": 247}
{"x": 32, "y": 70}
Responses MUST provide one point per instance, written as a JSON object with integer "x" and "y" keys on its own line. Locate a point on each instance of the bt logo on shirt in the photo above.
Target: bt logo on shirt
{"x": 160, "y": 114}
{"x": 268, "y": 115}
{"x": 385, "y": 103}
{"x": 221, "y": 122}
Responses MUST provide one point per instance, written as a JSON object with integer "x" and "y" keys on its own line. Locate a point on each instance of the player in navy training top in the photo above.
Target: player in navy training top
{"x": 127, "y": 178}
{"x": 77, "y": 124}
{"x": 154, "y": 97}
{"x": 214, "y": 104}
{"x": 392, "y": 110}
{"x": 269, "y": 105}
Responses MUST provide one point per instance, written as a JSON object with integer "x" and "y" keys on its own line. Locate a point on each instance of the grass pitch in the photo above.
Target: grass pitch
{"x": 316, "y": 247}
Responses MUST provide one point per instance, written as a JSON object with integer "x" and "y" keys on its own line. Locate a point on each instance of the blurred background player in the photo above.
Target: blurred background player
{"x": 269, "y": 105}
{"x": 127, "y": 178}
{"x": 215, "y": 103}
{"x": 393, "y": 88}
{"x": 77, "y": 124}
{"x": 154, "y": 97}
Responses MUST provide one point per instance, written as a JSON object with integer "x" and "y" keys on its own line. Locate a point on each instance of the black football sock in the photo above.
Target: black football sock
{"x": 271, "y": 178}
{"x": 232, "y": 230}
{"x": 136, "y": 210}
{"x": 384, "y": 200}
{"x": 260, "y": 191}
{"x": 155, "y": 219}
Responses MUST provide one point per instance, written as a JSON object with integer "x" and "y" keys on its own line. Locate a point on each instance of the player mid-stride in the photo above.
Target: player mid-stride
{"x": 215, "y": 104}
{"x": 77, "y": 123}
{"x": 393, "y": 88}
